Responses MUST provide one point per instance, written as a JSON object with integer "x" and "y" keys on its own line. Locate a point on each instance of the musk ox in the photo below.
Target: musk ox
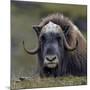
{"x": 62, "y": 49}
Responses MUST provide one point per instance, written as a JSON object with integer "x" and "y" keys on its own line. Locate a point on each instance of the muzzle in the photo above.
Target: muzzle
{"x": 51, "y": 61}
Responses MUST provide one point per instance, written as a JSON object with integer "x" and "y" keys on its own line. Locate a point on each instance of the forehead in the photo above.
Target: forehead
{"x": 51, "y": 27}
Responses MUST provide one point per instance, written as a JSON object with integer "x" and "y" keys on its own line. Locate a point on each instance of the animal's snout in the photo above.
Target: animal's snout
{"x": 51, "y": 57}
{"x": 51, "y": 61}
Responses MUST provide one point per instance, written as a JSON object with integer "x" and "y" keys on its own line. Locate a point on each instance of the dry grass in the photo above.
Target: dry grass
{"x": 48, "y": 82}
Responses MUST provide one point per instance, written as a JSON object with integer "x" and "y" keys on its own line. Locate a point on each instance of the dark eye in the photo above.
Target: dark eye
{"x": 58, "y": 37}
{"x": 43, "y": 38}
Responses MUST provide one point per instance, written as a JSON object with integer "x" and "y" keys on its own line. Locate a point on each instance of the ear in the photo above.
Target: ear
{"x": 66, "y": 29}
{"x": 37, "y": 29}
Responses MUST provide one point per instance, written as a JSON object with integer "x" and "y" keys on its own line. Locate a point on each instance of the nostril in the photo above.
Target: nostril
{"x": 54, "y": 58}
{"x": 50, "y": 58}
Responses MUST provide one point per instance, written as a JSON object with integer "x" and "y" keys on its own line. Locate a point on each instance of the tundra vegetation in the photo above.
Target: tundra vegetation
{"x": 24, "y": 65}
{"x": 49, "y": 82}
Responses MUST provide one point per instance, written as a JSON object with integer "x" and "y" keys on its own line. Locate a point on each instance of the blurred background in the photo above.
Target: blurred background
{"x": 23, "y": 16}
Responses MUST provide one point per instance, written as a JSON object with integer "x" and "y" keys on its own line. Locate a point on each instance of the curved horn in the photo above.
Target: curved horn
{"x": 68, "y": 47}
{"x": 31, "y": 51}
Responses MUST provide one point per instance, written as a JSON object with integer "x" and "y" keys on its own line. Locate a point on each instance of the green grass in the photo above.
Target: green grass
{"x": 49, "y": 82}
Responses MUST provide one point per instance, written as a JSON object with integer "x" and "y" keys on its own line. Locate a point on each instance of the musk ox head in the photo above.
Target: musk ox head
{"x": 61, "y": 47}
{"x": 52, "y": 44}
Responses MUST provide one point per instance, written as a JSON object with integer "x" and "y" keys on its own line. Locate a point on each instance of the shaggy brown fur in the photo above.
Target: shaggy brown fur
{"x": 75, "y": 61}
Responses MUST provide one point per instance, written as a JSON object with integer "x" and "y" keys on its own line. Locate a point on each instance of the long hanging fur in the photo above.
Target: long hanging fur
{"x": 74, "y": 62}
